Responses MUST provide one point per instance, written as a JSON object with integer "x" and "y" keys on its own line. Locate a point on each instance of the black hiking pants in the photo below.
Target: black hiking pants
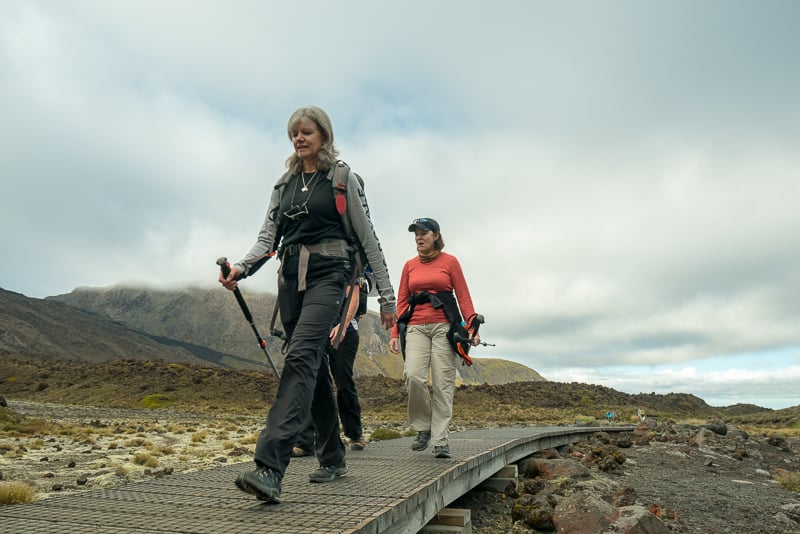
{"x": 305, "y": 385}
{"x": 342, "y": 363}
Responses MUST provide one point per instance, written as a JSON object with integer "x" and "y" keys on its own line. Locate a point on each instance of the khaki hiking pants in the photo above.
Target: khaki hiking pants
{"x": 428, "y": 353}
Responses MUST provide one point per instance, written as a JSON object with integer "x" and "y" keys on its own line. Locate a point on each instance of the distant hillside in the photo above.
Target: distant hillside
{"x": 190, "y": 325}
{"x": 125, "y": 383}
{"x": 49, "y": 329}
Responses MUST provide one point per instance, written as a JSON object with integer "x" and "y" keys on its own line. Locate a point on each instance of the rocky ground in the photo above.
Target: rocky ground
{"x": 687, "y": 479}
{"x": 690, "y": 479}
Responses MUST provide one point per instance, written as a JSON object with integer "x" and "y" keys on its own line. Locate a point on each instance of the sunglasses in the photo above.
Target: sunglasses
{"x": 296, "y": 213}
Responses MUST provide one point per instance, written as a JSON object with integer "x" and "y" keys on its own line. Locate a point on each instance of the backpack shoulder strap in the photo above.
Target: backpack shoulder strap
{"x": 339, "y": 184}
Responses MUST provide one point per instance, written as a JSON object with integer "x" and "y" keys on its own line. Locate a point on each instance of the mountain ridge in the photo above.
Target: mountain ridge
{"x": 191, "y": 325}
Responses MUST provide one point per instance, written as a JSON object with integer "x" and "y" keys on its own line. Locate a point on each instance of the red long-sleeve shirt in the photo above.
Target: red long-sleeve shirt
{"x": 442, "y": 275}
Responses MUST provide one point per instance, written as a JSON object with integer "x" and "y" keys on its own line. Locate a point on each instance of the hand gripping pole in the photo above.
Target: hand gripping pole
{"x": 226, "y": 270}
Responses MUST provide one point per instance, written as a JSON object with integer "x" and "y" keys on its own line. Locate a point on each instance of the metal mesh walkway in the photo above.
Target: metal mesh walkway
{"x": 389, "y": 489}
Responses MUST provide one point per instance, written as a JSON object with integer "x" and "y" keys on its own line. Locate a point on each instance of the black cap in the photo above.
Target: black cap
{"x": 424, "y": 223}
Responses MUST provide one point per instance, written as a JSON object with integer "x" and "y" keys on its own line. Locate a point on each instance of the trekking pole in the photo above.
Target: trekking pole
{"x": 477, "y": 322}
{"x": 226, "y": 270}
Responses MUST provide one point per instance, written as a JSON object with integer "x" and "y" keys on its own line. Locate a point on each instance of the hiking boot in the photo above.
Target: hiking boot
{"x": 421, "y": 442}
{"x": 263, "y": 482}
{"x": 358, "y": 444}
{"x": 297, "y": 452}
{"x": 442, "y": 451}
{"x": 328, "y": 473}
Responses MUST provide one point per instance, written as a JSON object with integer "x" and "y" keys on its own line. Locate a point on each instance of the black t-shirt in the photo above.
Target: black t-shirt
{"x": 321, "y": 222}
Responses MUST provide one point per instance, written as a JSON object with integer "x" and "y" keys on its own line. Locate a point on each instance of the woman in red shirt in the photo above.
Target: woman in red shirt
{"x": 426, "y": 348}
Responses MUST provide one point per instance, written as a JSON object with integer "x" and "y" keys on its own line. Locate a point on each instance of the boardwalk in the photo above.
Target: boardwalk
{"x": 389, "y": 489}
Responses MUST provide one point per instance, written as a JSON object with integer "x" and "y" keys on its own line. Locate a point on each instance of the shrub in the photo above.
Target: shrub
{"x": 16, "y": 492}
{"x": 157, "y": 400}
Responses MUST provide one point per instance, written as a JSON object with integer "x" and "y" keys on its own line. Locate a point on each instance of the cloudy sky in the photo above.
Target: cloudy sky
{"x": 620, "y": 180}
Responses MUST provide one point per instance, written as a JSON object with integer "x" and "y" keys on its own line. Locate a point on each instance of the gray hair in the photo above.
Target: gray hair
{"x": 326, "y": 157}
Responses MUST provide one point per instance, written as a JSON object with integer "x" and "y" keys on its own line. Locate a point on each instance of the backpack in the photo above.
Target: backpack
{"x": 339, "y": 184}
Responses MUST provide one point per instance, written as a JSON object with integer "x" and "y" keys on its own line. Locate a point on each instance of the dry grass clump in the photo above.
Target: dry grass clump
{"x": 35, "y": 444}
{"x": 13, "y": 424}
{"x": 249, "y": 440}
{"x": 199, "y": 437}
{"x": 138, "y": 442}
{"x": 175, "y": 428}
{"x": 16, "y": 492}
{"x": 145, "y": 458}
{"x": 788, "y": 479}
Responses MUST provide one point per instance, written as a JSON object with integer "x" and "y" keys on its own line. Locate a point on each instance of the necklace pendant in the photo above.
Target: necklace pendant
{"x": 304, "y": 189}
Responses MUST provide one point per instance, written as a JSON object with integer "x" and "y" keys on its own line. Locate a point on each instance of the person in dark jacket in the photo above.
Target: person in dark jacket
{"x": 317, "y": 263}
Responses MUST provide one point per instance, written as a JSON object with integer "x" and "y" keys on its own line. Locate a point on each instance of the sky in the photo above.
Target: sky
{"x": 619, "y": 180}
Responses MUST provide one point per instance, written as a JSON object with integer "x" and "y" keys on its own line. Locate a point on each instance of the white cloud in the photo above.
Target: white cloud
{"x": 615, "y": 195}
{"x": 771, "y": 388}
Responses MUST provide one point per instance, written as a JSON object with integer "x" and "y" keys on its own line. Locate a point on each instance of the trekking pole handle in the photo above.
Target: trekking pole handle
{"x": 222, "y": 261}
{"x": 477, "y": 322}
{"x": 224, "y": 266}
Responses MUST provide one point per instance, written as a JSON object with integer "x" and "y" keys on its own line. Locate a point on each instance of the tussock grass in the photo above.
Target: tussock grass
{"x": 199, "y": 437}
{"x": 13, "y": 424}
{"x": 138, "y": 442}
{"x": 788, "y": 479}
{"x": 36, "y": 444}
{"x": 249, "y": 440}
{"x": 16, "y": 492}
{"x": 158, "y": 450}
{"x": 145, "y": 458}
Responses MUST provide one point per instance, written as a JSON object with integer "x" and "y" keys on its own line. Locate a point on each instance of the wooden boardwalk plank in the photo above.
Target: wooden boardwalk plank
{"x": 389, "y": 489}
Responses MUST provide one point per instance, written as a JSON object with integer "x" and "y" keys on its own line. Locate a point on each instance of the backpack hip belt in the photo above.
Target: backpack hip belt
{"x": 458, "y": 335}
{"x": 338, "y": 248}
